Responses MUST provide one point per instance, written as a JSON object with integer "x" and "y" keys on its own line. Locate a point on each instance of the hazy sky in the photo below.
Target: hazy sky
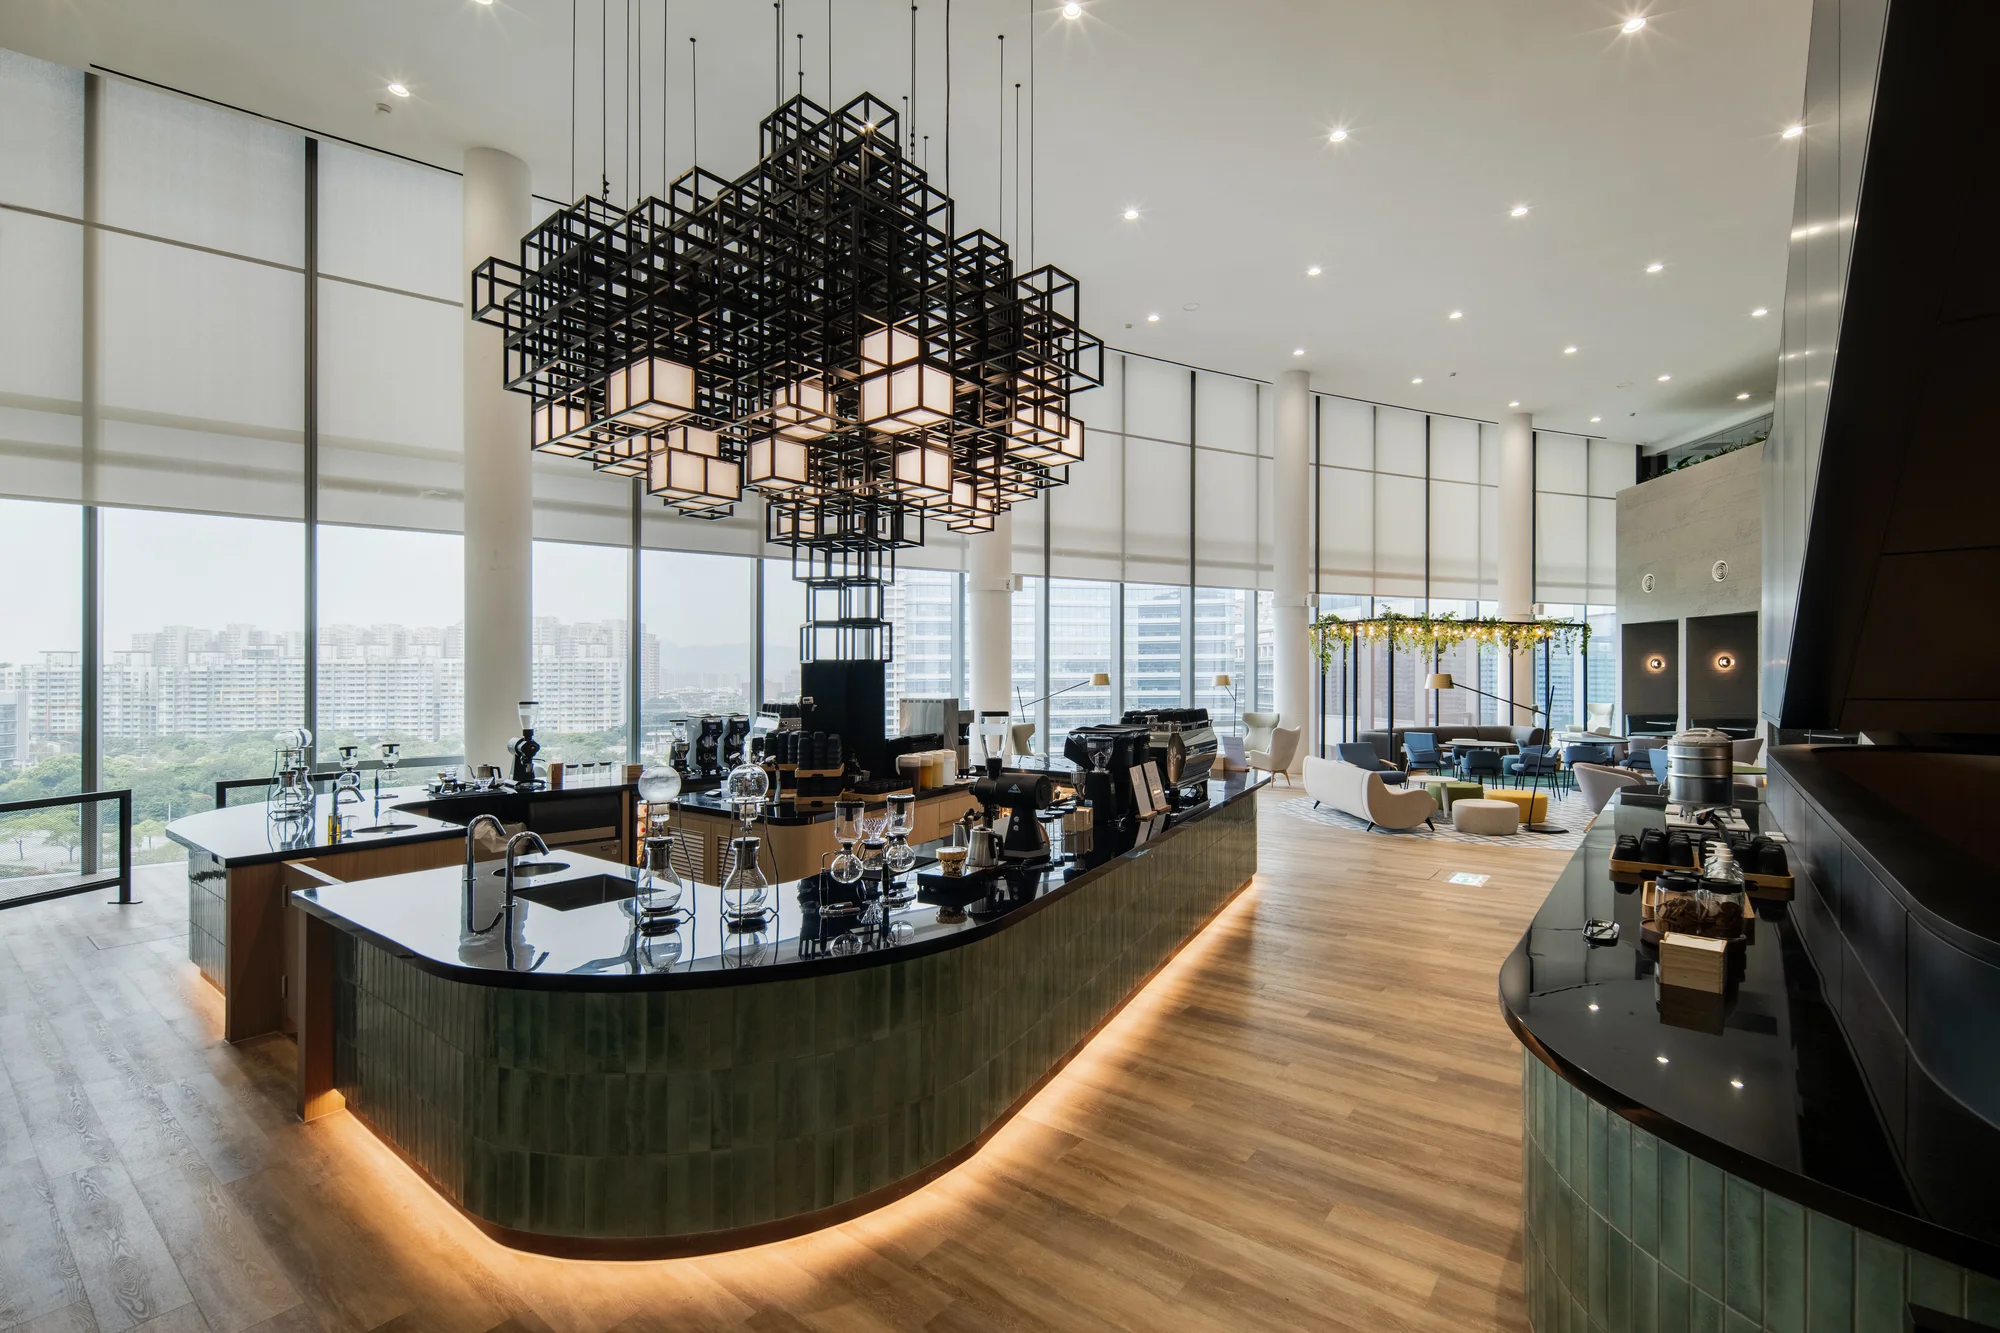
{"x": 193, "y": 569}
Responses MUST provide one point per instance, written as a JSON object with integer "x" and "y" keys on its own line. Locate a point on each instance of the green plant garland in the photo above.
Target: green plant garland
{"x": 1429, "y": 634}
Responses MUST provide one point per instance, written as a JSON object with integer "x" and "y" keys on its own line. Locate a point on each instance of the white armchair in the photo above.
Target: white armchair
{"x": 1277, "y": 758}
{"x": 1363, "y": 794}
{"x": 1257, "y": 729}
{"x": 1021, "y": 740}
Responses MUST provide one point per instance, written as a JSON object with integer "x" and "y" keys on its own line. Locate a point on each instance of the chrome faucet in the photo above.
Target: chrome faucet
{"x": 471, "y": 875}
{"x": 513, "y": 844}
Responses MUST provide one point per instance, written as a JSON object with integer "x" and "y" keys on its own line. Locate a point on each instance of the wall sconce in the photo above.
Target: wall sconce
{"x": 1656, "y": 663}
{"x": 1723, "y": 661}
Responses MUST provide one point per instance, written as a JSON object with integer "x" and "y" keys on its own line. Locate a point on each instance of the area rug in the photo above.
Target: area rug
{"x": 1570, "y": 814}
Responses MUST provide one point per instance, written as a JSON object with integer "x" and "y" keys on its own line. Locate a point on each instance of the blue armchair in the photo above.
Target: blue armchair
{"x": 1535, "y": 764}
{"x": 1588, "y": 753}
{"x": 1362, "y": 755}
{"x": 1420, "y": 750}
{"x": 1479, "y": 763}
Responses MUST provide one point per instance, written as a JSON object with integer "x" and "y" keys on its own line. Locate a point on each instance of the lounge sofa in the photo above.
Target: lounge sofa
{"x": 1363, "y": 794}
{"x": 1389, "y": 744}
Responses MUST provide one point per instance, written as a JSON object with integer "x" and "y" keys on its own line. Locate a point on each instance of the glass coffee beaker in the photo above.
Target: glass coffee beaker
{"x": 746, "y": 893}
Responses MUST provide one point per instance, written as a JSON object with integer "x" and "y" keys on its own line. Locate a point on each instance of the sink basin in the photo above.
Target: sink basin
{"x": 570, "y": 894}
{"x": 530, "y": 869}
{"x": 386, "y": 828}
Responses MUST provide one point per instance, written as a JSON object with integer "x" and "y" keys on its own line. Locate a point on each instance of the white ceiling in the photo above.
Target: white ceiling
{"x": 1212, "y": 120}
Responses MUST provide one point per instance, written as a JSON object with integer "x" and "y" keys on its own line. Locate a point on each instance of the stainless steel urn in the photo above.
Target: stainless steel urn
{"x": 1700, "y": 767}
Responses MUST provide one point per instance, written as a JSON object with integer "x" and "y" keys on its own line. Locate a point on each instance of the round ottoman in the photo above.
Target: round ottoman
{"x": 1468, "y": 816}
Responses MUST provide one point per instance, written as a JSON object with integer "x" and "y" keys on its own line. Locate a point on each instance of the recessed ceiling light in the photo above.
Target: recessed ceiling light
{"x": 1741, "y": 396}
{"x": 1338, "y": 136}
{"x": 1633, "y": 24}
{"x": 1736, "y": 1083}
{"x": 1593, "y": 1006}
{"x": 1793, "y": 131}
{"x": 399, "y": 90}
{"x": 1515, "y": 403}
{"x": 1654, "y": 267}
{"x": 485, "y": 2}
{"x": 1759, "y": 313}
{"x": 1131, "y": 215}
{"x": 1665, "y": 378}
{"x": 1518, "y": 211}
{"x": 1569, "y": 351}
{"x": 1595, "y": 420}
{"x": 1456, "y": 314}
{"x": 1298, "y": 351}
{"x": 1313, "y": 272}
{"x": 1072, "y": 10}
{"x": 1152, "y": 319}
{"x": 1661, "y": 1058}
{"x": 1418, "y": 380}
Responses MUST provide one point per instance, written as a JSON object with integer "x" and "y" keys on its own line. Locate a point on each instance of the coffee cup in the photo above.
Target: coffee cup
{"x": 951, "y": 860}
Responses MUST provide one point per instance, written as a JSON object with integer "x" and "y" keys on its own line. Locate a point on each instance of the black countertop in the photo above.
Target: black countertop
{"x": 786, "y": 814}
{"x": 241, "y": 835}
{"x": 597, "y": 945}
{"x": 1763, "y": 1083}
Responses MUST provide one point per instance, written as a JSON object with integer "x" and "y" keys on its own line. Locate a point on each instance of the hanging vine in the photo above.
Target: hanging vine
{"x": 1428, "y": 635}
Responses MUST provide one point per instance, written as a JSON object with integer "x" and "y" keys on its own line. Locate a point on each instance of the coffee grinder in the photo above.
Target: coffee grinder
{"x": 524, "y": 748}
{"x": 1022, "y": 796}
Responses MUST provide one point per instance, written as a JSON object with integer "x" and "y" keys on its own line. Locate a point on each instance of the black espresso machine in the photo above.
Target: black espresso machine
{"x": 1104, "y": 757}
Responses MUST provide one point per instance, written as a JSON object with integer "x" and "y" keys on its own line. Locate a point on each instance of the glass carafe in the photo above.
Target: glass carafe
{"x": 746, "y": 894}
{"x": 660, "y": 887}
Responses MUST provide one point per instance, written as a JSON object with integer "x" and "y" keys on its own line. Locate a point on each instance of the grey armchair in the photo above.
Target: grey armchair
{"x": 1596, "y": 782}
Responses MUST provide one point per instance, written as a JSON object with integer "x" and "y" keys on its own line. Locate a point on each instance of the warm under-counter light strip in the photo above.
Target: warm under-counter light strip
{"x": 396, "y": 1191}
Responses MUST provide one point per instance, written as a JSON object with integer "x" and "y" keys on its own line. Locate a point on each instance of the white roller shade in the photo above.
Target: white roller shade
{"x": 41, "y": 135}
{"x": 1087, "y": 535}
{"x": 1346, "y": 433}
{"x": 1399, "y": 535}
{"x": 1562, "y": 463}
{"x": 1399, "y": 442}
{"x": 575, "y": 503}
{"x": 1454, "y": 449}
{"x": 1562, "y": 547}
{"x": 1455, "y": 538}
{"x": 41, "y": 355}
{"x": 662, "y": 529}
{"x": 1156, "y": 399}
{"x": 1227, "y": 531}
{"x": 391, "y": 409}
{"x": 1346, "y": 530}
{"x": 391, "y": 223}
{"x": 1613, "y": 467}
{"x": 1157, "y": 497}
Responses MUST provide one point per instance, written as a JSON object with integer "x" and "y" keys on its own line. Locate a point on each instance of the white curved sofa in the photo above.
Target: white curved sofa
{"x": 1363, "y": 794}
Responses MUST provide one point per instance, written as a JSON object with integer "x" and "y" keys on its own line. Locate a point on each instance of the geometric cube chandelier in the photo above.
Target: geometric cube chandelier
{"x": 814, "y": 331}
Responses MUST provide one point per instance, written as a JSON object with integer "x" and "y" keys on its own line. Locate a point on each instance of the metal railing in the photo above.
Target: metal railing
{"x": 410, "y": 769}
{"x": 90, "y": 846}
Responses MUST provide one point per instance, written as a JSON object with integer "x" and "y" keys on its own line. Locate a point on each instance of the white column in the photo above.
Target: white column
{"x": 499, "y": 518}
{"x": 1517, "y": 551}
{"x": 989, "y": 617}
{"x": 1292, "y": 673}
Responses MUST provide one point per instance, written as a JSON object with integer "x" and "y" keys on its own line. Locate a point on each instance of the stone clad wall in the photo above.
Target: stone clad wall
{"x": 676, "y": 1113}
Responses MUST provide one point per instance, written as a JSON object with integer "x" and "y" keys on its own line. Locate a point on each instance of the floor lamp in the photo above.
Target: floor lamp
{"x": 1099, "y": 679}
{"x": 1225, "y": 683}
{"x": 1441, "y": 680}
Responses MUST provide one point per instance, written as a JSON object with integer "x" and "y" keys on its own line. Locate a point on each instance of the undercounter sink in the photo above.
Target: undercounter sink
{"x": 571, "y": 894}
{"x": 530, "y": 869}
{"x": 385, "y": 828}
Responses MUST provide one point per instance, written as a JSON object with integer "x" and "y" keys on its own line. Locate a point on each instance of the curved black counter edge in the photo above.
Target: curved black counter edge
{"x": 742, "y": 1238}
{"x": 1913, "y": 1232}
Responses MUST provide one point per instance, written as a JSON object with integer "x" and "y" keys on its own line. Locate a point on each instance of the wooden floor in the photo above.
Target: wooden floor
{"x": 1310, "y": 1120}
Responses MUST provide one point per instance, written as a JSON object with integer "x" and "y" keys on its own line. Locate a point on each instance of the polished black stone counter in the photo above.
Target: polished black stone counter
{"x": 786, "y": 814}
{"x": 1766, "y": 1084}
{"x": 578, "y": 928}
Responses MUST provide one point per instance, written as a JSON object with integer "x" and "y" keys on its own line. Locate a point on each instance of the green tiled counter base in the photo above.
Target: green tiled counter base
{"x": 208, "y": 916}
{"x": 1625, "y": 1233}
{"x": 676, "y": 1113}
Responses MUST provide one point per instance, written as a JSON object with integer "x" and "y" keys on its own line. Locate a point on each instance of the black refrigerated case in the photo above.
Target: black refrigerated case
{"x": 850, "y": 699}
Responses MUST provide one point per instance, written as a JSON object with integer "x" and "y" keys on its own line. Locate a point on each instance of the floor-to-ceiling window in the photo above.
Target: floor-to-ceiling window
{"x": 1083, "y": 636}
{"x": 1221, "y": 648}
{"x": 1025, "y": 674}
{"x": 391, "y": 641}
{"x": 1153, "y": 662}
{"x": 695, "y": 648}
{"x": 581, "y": 620}
{"x": 922, "y": 605}
{"x": 41, "y": 715}
{"x": 1267, "y": 655}
{"x": 203, "y": 651}
{"x": 784, "y": 612}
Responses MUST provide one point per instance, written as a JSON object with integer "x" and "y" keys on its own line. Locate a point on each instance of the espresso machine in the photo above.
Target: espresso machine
{"x": 1184, "y": 745}
{"x": 1104, "y": 757}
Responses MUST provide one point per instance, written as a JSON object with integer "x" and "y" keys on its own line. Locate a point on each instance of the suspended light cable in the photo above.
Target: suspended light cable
{"x": 572, "y": 99}
{"x": 604, "y": 97}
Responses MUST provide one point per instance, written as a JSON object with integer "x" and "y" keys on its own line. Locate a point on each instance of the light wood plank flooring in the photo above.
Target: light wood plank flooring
{"x": 1309, "y": 1121}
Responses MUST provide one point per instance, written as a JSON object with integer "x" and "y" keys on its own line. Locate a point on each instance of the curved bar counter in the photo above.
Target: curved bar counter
{"x": 577, "y": 1088}
{"x": 1725, "y": 1162}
